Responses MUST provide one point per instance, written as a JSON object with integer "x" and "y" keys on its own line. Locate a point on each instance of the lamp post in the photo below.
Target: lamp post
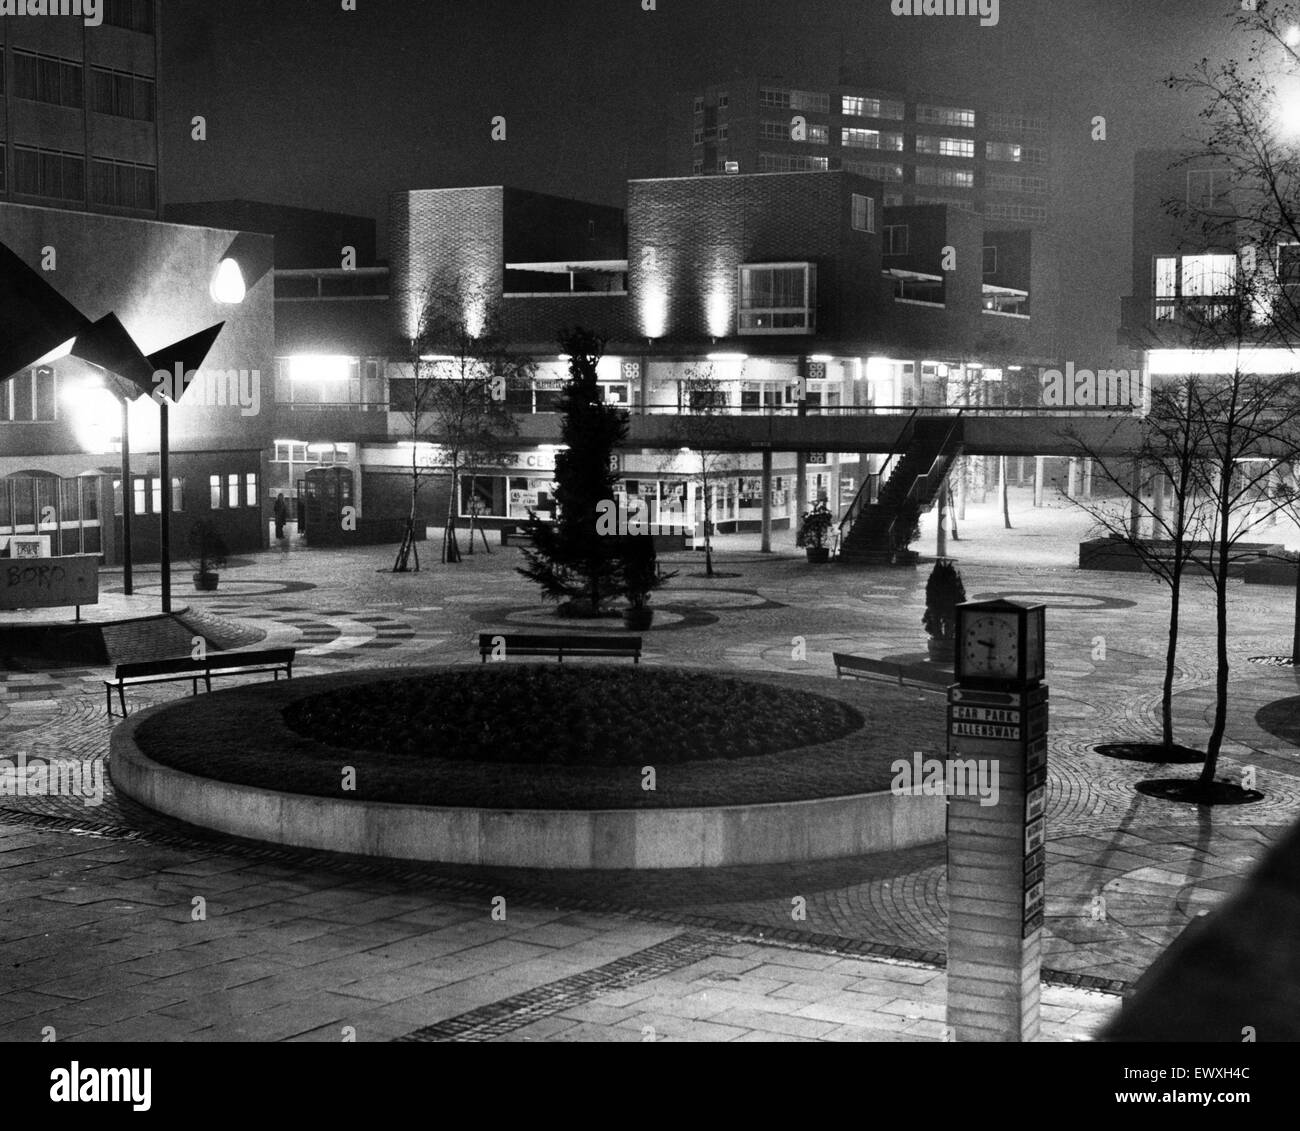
{"x": 128, "y": 582}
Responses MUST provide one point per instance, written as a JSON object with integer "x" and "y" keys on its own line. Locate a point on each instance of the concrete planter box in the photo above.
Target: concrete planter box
{"x": 781, "y": 832}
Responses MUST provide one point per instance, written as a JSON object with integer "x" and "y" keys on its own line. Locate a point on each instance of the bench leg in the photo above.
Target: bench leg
{"x": 121, "y": 695}
{"x": 108, "y": 695}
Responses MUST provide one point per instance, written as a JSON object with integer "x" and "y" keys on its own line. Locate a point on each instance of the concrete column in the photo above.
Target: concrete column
{"x": 801, "y": 458}
{"x": 1039, "y": 463}
{"x": 766, "y": 546}
{"x": 645, "y": 385}
{"x": 964, "y": 465}
{"x": 1087, "y": 478}
{"x": 941, "y": 539}
{"x": 1072, "y": 479}
{"x": 1160, "y": 488}
{"x": 1135, "y": 502}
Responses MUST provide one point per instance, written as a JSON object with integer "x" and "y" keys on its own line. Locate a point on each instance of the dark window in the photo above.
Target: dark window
{"x": 43, "y": 78}
{"x": 44, "y": 172}
{"x": 122, "y": 185}
{"x": 122, "y": 95}
{"x": 134, "y": 15}
{"x": 990, "y": 260}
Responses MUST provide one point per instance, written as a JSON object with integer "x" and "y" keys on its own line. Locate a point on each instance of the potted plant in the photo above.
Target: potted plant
{"x": 639, "y": 576}
{"x": 209, "y": 553}
{"x": 815, "y": 532}
{"x": 944, "y": 591}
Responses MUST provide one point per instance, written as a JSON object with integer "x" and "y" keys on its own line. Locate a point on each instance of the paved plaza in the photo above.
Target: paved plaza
{"x": 98, "y": 935}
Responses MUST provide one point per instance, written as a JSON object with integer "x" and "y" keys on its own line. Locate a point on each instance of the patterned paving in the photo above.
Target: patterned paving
{"x": 1126, "y": 873}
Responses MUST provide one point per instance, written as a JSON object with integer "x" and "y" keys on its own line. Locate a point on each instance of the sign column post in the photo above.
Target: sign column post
{"x": 997, "y": 737}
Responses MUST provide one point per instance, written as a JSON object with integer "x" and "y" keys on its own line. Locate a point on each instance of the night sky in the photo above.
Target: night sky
{"x": 313, "y": 106}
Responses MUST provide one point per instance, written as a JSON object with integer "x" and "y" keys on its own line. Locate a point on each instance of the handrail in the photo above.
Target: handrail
{"x": 943, "y": 447}
{"x": 858, "y": 505}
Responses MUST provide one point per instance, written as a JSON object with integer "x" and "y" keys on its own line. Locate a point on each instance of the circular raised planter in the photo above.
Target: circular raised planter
{"x": 607, "y": 838}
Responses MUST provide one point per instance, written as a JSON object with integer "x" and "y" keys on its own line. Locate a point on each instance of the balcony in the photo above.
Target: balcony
{"x": 1208, "y": 321}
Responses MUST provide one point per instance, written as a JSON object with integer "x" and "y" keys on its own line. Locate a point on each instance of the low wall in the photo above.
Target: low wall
{"x": 1246, "y": 558}
{"x": 783, "y": 832}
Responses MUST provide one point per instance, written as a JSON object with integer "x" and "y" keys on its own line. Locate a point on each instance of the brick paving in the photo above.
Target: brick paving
{"x": 97, "y": 935}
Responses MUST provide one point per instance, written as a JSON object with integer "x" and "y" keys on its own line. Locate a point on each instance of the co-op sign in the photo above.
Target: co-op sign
{"x": 1087, "y": 388}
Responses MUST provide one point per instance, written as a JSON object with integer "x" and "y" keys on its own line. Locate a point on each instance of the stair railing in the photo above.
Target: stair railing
{"x": 863, "y": 499}
{"x": 937, "y": 467}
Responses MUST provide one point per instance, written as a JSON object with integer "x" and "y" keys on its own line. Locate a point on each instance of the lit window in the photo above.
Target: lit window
{"x": 945, "y": 146}
{"x": 155, "y": 495}
{"x": 946, "y": 116}
{"x": 778, "y": 298}
{"x": 250, "y": 489}
{"x": 232, "y": 490}
{"x": 178, "y": 494}
{"x": 852, "y": 106}
{"x": 1209, "y": 274}
{"x": 214, "y": 492}
{"x": 141, "y": 505}
{"x": 855, "y": 138}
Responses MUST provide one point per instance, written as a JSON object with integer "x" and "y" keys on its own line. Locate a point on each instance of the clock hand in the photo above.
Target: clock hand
{"x": 987, "y": 644}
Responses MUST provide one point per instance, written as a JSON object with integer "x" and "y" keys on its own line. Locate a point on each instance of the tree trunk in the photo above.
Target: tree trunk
{"x": 1295, "y": 636}
{"x": 1220, "y": 635}
{"x": 450, "y": 547}
{"x": 708, "y": 524}
{"x": 1171, "y": 653}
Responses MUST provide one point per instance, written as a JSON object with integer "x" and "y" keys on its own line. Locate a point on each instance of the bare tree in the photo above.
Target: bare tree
{"x": 457, "y": 407}
{"x": 704, "y": 427}
{"x": 1163, "y": 493}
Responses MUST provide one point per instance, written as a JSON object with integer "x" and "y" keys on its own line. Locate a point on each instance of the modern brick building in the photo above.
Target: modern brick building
{"x": 826, "y": 318}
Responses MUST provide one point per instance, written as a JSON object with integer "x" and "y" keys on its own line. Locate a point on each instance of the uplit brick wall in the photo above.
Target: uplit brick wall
{"x": 444, "y": 239}
{"x": 701, "y": 230}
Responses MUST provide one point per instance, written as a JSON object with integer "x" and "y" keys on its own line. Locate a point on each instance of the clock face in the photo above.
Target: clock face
{"x": 990, "y": 646}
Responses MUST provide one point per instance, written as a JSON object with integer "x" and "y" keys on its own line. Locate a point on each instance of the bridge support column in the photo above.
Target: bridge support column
{"x": 1087, "y": 478}
{"x": 1072, "y": 479}
{"x": 941, "y": 543}
{"x": 766, "y": 545}
{"x": 1159, "y": 488}
{"x": 801, "y": 458}
{"x": 1135, "y": 500}
{"x": 1039, "y": 463}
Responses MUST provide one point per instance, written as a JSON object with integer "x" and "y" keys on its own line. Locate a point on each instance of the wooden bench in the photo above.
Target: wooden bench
{"x": 185, "y": 668}
{"x": 860, "y": 667}
{"x": 518, "y": 644}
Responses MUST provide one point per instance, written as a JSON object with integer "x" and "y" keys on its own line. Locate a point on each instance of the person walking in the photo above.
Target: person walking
{"x": 281, "y": 515}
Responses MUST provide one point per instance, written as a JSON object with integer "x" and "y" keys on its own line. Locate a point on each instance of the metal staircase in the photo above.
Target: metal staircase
{"x": 877, "y": 531}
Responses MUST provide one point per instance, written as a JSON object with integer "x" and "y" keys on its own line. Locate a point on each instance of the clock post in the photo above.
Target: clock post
{"x": 997, "y": 733}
